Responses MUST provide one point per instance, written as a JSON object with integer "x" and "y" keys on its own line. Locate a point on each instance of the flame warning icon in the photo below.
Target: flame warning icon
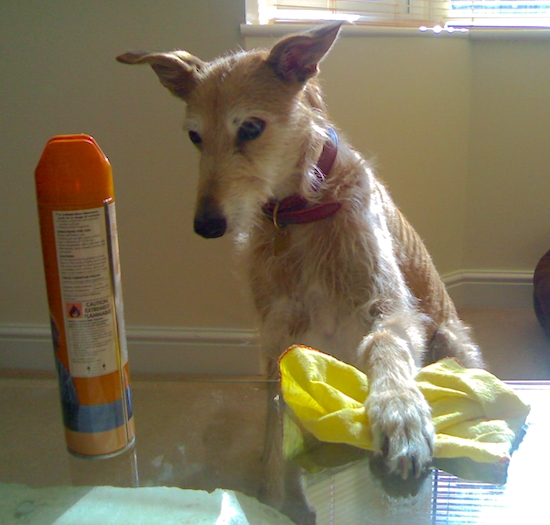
{"x": 74, "y": 310}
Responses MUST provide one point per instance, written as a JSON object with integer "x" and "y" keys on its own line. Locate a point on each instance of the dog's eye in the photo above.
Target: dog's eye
{"x": 251, "y": 129}
{"x": 195, "y": 138}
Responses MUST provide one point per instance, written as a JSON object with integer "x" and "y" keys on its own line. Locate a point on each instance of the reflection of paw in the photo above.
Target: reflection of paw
{"x": 402, "y": 429}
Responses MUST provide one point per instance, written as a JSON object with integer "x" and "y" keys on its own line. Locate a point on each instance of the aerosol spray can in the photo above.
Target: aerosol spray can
{"x": 76, "y": 207}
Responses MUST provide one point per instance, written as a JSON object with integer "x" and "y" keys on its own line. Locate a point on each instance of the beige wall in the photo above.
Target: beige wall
{"x": 508, "y": 219}
{"x": 59, "y": 75}
{"x": 459, "y": 129}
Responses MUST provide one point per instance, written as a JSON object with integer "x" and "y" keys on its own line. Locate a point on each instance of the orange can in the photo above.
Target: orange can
{"x": 76, "y": 207}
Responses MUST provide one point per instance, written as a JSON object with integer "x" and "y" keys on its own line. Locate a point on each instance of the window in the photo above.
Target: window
{"x": 413, "y": 13}
{"x": 499, "y": 13}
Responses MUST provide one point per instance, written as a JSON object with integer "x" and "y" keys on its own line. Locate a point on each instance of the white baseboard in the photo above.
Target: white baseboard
{"x": 175, "y": 350}
{"x": 152, "y": 350}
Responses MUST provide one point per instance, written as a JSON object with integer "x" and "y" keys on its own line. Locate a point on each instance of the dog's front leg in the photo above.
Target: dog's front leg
{"x": 399, "y": 415}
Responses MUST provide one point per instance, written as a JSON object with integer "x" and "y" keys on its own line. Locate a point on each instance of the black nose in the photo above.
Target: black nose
{"x": 210, "y": 225}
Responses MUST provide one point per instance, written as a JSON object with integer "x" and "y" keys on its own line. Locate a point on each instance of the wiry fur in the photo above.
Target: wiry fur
{"x": 360, "y": 284}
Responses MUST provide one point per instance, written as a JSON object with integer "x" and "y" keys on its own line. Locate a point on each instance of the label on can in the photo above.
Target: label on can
{"x": 87, "y": 257}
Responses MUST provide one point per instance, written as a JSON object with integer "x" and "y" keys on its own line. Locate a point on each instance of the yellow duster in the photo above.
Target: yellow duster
{"x": 478, "y": 419}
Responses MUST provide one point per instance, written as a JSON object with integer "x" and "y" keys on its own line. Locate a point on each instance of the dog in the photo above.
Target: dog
{"x": 332, "y": 262}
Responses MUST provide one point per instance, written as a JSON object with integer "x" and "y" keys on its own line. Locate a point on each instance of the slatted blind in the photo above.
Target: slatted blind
{"x": 373, "y": 12}
{"x": 412, "y": 13}
{"x": 499, "y": 13}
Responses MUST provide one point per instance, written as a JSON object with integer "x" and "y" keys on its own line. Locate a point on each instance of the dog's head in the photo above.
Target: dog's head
{"x": 250, "y": 115}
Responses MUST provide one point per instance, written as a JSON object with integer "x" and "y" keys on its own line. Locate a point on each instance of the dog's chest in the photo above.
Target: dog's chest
{"x": 332, "y": 328}
{"x": 310, "y": 290}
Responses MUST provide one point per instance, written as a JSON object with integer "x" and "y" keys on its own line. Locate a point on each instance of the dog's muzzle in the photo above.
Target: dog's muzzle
{"x": 210, "y": 225}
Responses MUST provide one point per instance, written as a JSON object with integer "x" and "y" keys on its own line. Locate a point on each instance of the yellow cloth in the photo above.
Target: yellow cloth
{"x": 477, "y": 418}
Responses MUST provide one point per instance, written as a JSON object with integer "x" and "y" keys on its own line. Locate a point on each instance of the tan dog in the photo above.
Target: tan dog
{"x": 332, "y": 262}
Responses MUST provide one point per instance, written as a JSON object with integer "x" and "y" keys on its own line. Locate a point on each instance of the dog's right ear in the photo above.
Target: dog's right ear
{"x": 178, "y": 70}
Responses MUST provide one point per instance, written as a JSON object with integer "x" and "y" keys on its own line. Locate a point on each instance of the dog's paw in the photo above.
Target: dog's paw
{"x": 402, "y": 429}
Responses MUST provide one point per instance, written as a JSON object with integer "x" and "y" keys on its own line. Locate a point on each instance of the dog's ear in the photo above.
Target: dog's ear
{"x": 296, "y": 58}
{"x": 178, "y": 70}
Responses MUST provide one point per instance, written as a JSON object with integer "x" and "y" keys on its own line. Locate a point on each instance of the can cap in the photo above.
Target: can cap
{"x": 73, "y": 171}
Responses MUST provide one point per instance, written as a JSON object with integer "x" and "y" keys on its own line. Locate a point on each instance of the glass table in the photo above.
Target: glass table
{"x": 207, "y": 435}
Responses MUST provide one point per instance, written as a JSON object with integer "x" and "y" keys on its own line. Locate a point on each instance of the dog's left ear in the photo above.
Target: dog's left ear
{"x": 295, "y": 59}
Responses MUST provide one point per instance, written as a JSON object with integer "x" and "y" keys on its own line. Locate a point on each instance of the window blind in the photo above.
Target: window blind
{"x": 499, "y": 13}
{"x": 412, "y": 13}
{"x": 459, "y": 502}
{"x": 373, "y": 12}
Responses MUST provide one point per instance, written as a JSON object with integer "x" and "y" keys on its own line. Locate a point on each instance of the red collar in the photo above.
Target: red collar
{"x": 296, "y": 209}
